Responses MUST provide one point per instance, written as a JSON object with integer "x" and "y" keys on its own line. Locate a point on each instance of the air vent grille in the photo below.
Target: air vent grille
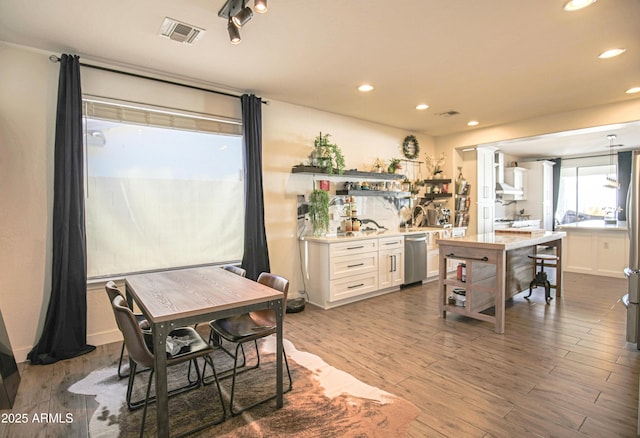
{"x": 181, "y": 32}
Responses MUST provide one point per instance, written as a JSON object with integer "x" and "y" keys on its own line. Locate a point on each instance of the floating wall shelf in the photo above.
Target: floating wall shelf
{"x": 347, "y": 173}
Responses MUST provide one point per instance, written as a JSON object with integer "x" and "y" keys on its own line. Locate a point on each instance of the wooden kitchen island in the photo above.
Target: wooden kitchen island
{"x": 497, "y": 268}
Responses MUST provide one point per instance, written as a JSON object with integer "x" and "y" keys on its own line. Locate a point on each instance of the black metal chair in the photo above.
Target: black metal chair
{"x": 141, "y": 354}
{"x": 541, "y": 279}
{"x": 249, "y": 327}
{"x": 112, "y": 292}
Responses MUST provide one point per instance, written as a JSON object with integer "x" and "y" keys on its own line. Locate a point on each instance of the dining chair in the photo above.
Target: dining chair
{"x": 235, "y": 269}
{"x": 249, "y": 327}
{"x": 141, "y": 354}
{"x": 112, "y": 292}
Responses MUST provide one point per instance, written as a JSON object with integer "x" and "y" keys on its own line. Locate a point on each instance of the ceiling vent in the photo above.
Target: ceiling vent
{"x": 180, "y": 32}
{"x": 449, "y": 113}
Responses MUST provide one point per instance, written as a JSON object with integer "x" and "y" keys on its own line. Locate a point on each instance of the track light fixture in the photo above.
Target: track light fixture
{"x": 260, "y": 6}
{"x": 237, "y": 14}
{"x": 242, "y": 17}
{"x": 234, "y": 32}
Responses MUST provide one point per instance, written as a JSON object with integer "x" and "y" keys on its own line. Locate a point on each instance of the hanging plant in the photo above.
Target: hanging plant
{"x": 327, "y": 155}
{"x": 319, "y": 212}
{"x": 410, "y": 147}
{"x": 394, "y": 165}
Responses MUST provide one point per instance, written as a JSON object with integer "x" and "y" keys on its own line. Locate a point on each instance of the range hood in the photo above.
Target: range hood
{"x": 502, "y": 188}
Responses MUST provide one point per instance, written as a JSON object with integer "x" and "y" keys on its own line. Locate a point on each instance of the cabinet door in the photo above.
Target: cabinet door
{"x": 391, "y": 268}
{"x": 433, "y": 262}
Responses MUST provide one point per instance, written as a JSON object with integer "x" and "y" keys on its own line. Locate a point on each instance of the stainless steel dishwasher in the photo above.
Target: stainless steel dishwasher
{"x": 415, "y": 258}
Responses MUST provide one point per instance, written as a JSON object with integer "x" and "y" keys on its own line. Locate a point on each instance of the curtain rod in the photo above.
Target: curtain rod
{"x": 54, "y": 58}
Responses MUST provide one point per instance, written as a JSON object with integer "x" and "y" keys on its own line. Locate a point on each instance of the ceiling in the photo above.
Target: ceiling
{"x": 494, "y": 61}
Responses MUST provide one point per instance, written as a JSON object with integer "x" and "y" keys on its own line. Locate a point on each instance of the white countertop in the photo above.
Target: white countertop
{"x": 504, "y": 242}
{"x": 594, "y": 225}
{"x": 360, "y": 235}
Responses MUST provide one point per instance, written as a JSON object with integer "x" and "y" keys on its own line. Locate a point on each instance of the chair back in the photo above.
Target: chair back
{"x": 133, "y": 337}
{"x": 235, "y": 269}
{"x": 112, "y": 291}
{"x": 268, "y": 317}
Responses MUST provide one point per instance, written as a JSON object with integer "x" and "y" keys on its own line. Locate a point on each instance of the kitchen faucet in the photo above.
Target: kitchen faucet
{"x": 424, "y": 212}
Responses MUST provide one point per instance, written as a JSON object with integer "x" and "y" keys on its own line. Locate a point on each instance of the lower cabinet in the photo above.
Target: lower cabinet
{"x": 338, "y": 273}
{"x": 390, "y": 262}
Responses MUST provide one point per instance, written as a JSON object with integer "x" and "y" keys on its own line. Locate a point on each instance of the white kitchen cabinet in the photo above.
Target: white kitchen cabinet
{"x": 486, "y": 189}
{"x": 433, "y": 254}
{"x": 595, "y": 251}
{"x": 539, "y": 201}
{"x": 338, "y": 273}
{"x": 390, "y": 262}
{"x": 433, "y": 251}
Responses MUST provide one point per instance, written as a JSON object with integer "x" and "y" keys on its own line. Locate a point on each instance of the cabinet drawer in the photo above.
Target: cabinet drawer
{"x": 353, "y": 286}
{"x": 390, "y": 243}
{"x": 352, "y": 265}
{"x": 353, "y": 247}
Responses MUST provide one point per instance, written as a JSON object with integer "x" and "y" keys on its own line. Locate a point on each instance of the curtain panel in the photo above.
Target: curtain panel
{"x": 256, "y": 254}
{"x": 64, "y": 334}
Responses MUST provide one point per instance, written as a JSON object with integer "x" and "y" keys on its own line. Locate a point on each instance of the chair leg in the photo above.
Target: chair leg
{"x": 531, "y": 286}
{"x": 120, "y": 363}
{"x": 547, "y": 292}
{"x": 233, "y": 385}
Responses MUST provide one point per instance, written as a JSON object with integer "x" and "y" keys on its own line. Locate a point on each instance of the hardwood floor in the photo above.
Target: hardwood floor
{"x": 560, "y": 370}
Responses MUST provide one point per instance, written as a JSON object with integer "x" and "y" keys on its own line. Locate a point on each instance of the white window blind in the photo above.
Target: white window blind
{"x": 164, "y": 189}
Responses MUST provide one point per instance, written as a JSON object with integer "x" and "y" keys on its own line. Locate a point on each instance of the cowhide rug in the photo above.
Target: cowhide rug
{"x": 324, "y": 402}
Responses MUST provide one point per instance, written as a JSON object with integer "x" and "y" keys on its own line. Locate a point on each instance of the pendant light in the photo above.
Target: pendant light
{"x": 612, "y": 180}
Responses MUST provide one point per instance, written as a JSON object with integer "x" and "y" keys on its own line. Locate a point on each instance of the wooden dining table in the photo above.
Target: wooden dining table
{"x": 175, "y": 298}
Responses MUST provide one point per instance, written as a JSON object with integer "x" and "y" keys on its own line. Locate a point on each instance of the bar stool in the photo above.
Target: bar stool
{"x": 543, "y": 260}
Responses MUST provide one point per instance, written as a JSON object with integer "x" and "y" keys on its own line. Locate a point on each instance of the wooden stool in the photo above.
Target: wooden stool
{"x": 542, "y": 260}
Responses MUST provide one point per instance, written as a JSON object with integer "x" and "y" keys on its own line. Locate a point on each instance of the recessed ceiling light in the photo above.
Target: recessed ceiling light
{"x": 422, "y": 106}
{"x": 611, "y": 53}
{"x": 633, "y": 90}
{"x": 574, "y": 5}
{"x": 473, "y": 123}
{"x": 365, "y": 87}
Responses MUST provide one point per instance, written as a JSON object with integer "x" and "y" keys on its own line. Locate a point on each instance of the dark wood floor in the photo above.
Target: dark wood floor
{"x": 559, "y": 370}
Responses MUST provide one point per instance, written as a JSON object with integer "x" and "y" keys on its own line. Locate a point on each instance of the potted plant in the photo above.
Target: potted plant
{"x": 319, "y": 212}
{"x": 394, "y": 165}
{"x": 327, "y": 156}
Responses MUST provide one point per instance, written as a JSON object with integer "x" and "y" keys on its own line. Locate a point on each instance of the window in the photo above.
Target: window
{"x": 164, "y": 189}
{"x": 587, "y": 189}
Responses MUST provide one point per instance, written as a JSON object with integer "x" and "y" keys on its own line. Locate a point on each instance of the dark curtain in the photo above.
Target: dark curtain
{"x": 256, "y": 254}
{"x": 65, "y": 328}
{"x": 624, "y": 178}
{"x": 556, "y": 187}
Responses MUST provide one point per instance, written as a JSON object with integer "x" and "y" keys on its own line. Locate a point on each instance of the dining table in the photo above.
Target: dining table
{"x": 176, "y": 298}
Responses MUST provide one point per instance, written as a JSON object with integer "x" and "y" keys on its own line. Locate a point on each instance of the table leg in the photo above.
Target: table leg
{"x": 279, "y": 319}
{"x": 160, "y": 331}
{"x": 501, "y": 275}
{"x": 558, "y": 245}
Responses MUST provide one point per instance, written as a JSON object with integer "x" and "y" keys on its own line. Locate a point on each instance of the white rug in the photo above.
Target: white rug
{"x": 109, "y": 390}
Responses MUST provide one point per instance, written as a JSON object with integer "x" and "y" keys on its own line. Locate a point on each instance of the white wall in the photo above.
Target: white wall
{"x": 28, "y": 93}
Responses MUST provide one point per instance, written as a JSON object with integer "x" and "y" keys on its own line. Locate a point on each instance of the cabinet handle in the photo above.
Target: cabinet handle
{"x": 355, "y": 247}
{"x": 354, "y": 286}
{"x": 353, "y": 266}
{"x": 392, "y": 243}
{"x": 453, "y": 256}
{"x": 393, "y": 260}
